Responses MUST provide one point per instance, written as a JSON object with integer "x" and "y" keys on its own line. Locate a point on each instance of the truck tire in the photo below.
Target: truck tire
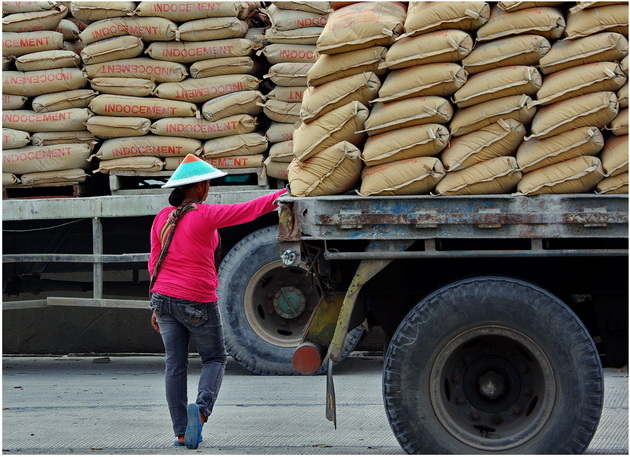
{"x": 492, "y": 365}
{"x": 265, "y": 305}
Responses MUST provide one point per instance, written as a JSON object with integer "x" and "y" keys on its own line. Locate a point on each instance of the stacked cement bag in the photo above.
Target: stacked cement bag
{"x": 45, "y": 98}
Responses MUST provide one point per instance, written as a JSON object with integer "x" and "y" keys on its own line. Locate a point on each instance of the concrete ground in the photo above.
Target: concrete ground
{"x": 93, "y": 405}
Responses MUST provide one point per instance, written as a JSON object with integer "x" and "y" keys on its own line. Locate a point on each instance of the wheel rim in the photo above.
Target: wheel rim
{"x": 279, "y": 301}
{"x": 492, "y": 388}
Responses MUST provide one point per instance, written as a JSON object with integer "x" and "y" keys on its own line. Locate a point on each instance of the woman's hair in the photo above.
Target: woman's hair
{"x": 179, "y": 193}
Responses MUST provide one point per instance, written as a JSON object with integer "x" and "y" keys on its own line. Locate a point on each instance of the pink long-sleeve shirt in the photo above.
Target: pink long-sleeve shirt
{"x": 188, "y": 271}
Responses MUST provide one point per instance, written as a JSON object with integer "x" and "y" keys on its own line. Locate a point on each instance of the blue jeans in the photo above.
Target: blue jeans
{"x": 179, "y": 320}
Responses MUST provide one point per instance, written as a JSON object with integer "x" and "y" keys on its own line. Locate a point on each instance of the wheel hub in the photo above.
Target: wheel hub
{"x": 289, "y": 302}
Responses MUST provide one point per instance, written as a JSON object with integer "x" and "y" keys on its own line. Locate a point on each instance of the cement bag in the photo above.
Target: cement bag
{"x": 48, "y": 138}
{"x": 287, "y": 94}
{"x": 193, "y": 51}
{"x": 308, "y": 6}
{"x": 497, "y": 83}
{"x": 404, "y": 177}
{"x": 47, "y": 60}
{"x": 6, "y": 63}
{"x": 517, "y": 6}
{"x": 148, "y": 145}
{"x": 406, "y": 113}
{"x": 547, "y": 22}
{"x": 122, "y": 47}
{"x": 230, "y": 163}
{"x": 441, "y": 79}
{"x": 145, "y": 164}
{"x": 282, "y": 19}
{"x": 153, "y": 108}
{"x": 282, "y": 152}
{"x": 517, "y": 107}
{"x": 278, "y": 53}
{"x": 407, "y": 143}
{"x": 14, "y": 139}
{"x": 288, "y": 113}
{"x": 624, "y": 65}
{"x": 423, "y": 17}
{"x": 212, "y": 28}
{"x": 289, "y": 74}
{"x": 147, "y": 28}
{"x": 619, "y": 125}
{"x": 200, "y": 90}
{"x": 10, "y": 102}
{"x": 622, "y": 96}
{"x": 595, "y": 110}
{"x": 45, "y": 158}
{"x": 33, "y": 83}
{"x": 124, "y": 86}
{"x": 495, "y": 176}
{"x": 574, "y": 176}
{"x": 613, "y": 185}
{"x": 307, "y": 35}
{"x": 95, "y": 11}
{"x": 235, "y": 145}
{"x": 615, "y": 155}
{"x": 74, "y": 175}
{"x": 69, "y": 30}
{"x": 333, "y": 67}
{"x": 498, "y": 139}
{"x": 245, "y": 102}
{"x": 33, "y": 21}
{"x": 79, "y": 98}
{"x": 601, "y": 47}
{"x": 581, "y": 80}
{"x": 9, "y": 179}
{"x": 74, "y": 46}
{"x": 534, "y": 154}
{"x": 434, "y": 47}
{"x": 257, "y": 36}
{"x": 186, "y": 11}
{"x": 317, "y": 101}
{"x": 116, "y": 127}
{"x": 57, "y": 121}
{"x": 224, "y": 66}
{"x": 277, "y": 170}
{"x": 17, "y": 44}
{"x": 191, "y": 127}
{"x": 613, "y": 18}
{"x": 139, "y": 67}
{"x": 341, "y": 124}
{"x": 20, "y": 6}
{"x": 505, "y": 52}
{"x": 278, "y": 132}
{"x": 361, "y": 25}
{"x": 333, "y": 170}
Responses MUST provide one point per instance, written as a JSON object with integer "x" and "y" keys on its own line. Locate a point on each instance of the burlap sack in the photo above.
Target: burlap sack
{"x": 147, "y": 28}
{"x": 33, "y": 83}
{"x": 498, "y": 139}
{"x": 581, "y": 80}
{"x": 10, "y": 102}
{"x": 45, "y": 158}
{"x": 341, "y": 124}
{"x": 144, "y": 164}
{"x": 307, "y": 35}
{"x": 282, "y": 152}
{"x": 534, "y": 154}
{"x": 517, "y": 107}
{"x": 619, "y": 125}
{"x": 613, "y": 185}
{"x": 544, "y": 21}
{"x": 278, "y": 132}
{"x": 57, "y": 121}
{"x": 153, "y": 108}
{"x": 194, "y": 51}
{"x": 17, "y": 44}
{"x": 495, "y": 176}
{"x": 235, "y": 145}
{"x": 212, "y": 28}
{"x": 224, "y": 66}
{"x": 332, "y": 171}
{"x": 287, "y": 94}
{"x": 191, "y": 127}
{"x": 90, "y": 11}
{"x": 139, "y": 67}
{"x": 423, "y": 17}
{"x": 277, "y": 170}
{"x": 148, "y": 145}
{"x": 278, "y": 53}
{"x": 441, "y": 79}
{"x": 624, "y": 65}
{"x": 74, "y": 175}
{"x": 601, "y": 47}
{"x": 517, "y": 6}
{"x": 574, "y": 176}
{"x": 14, "y": 139}
{"x": 230, "y": 163}
{"x": 622, "y": 96}
{"x": 289, "y": 74}
{"x": 79, "y": 98}
{"x": 613, "y": 18}
{"x": 434, "y": 47}
{"x": 9, "y": 179}
{"x": 117, "y": 48}
{"x": 244, "y": 102}
{"x": 517, "y": 50}
{"x": 317, "y": 101}
{"x": 407, "y": 143}
{"x": 69, "y": 30}
{"x": 47, "y": 60}
{"x": 595, "y": 110}
{"x": 48, "y": 138}
{"x": 20, "y": 6}
{"x": 33, "y": 21}
{"x": 186, "y": 11}
{"x": 117, "y": 127}
{"x": 333, "y": 67}
{"x": 593, "y": 4}
{"x": 361, "y": 25}
{"x": 200, "y": 90}
{"x": 498, "y": 83}
{"x": 284, "y": 112}
{"x": 614, "y": 156}
{"x": 124, "y": 86}
{"x": 308, "y": 6}
{"x": 415, "y": 176}
{"x": 406, "y": 113}
{"x": 284, "y": 19}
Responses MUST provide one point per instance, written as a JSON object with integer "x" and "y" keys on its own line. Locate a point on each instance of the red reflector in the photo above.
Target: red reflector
{"x": 307, "y": 358}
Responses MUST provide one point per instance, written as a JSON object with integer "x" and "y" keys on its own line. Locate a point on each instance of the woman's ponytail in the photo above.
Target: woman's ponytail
{"x": 177, "y": 197}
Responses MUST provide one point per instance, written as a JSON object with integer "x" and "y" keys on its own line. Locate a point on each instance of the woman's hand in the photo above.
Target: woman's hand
{"x": 154, "y": 322}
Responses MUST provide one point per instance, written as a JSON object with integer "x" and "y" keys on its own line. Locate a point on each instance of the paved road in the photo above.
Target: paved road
{"x": 79, "y": 405}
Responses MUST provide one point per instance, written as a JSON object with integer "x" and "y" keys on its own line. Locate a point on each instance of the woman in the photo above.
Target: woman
{"x": 183, "y": 289}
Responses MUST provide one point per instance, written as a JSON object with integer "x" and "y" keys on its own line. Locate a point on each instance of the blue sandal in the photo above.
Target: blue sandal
{"x": 192, "y": 437}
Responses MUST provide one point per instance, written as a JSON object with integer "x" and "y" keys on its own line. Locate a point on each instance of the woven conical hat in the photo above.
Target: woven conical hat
{"x": 192, "y": 170}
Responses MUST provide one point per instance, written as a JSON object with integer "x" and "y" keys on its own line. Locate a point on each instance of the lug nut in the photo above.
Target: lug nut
{"x": 516, "y": 410}
{"x": 475, "y": 416}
